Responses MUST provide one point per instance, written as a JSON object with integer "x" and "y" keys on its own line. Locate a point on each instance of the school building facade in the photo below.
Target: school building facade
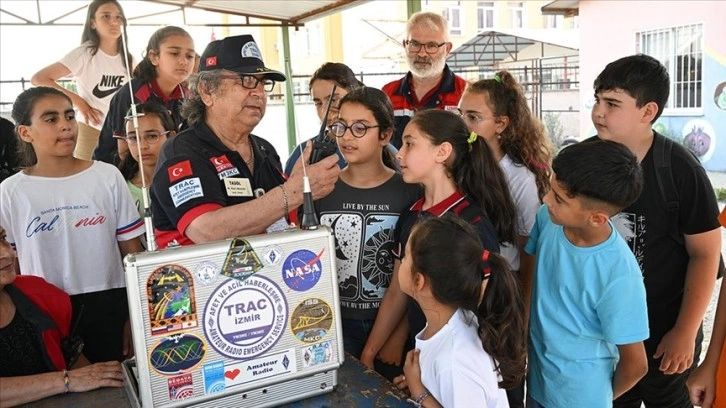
{"x": 687, "y": 37}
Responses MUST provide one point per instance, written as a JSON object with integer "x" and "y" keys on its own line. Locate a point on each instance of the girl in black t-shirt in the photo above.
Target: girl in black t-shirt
{"x": 363, "y": 211}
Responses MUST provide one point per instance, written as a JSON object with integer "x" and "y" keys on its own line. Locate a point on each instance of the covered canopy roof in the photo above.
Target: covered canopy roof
{"x": 488, "y": 48}
{"x": 565, "y": 7}
{"x": 285, "y": 12}
{"x": 277, "y": 13}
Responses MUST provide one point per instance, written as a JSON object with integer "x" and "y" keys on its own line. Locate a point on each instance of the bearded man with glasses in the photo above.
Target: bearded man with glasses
{"x": 217, "y": 180}
{"x": 429, "y": 84}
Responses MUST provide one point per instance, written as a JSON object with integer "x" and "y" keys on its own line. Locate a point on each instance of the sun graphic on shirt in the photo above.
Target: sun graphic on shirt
{"x": 378, "y": 259}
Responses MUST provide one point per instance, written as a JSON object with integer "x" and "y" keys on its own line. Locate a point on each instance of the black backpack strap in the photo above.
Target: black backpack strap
{"x": 662, "y": 149}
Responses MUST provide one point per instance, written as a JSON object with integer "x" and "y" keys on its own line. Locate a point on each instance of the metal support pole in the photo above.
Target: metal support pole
{"x": 413, "y": 6}
{"x": 289, "y": 89}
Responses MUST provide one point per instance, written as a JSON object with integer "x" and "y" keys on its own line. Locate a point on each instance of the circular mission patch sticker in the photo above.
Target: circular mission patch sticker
{"x": 243, "y": 319}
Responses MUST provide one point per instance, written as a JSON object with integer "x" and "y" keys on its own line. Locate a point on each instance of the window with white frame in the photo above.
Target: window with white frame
{"x": 484, "y": 15}
{"x": 452, "y": 14}
{"x": 516, "y": 13}
{"x": 680, "y": 49}
{"x": 314, "y": 38}
{"x": 553, "y": 21}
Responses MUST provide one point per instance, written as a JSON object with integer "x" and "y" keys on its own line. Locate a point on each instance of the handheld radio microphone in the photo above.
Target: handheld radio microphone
{"x": 322, "y": 145}
{"x": 322, "y": 148}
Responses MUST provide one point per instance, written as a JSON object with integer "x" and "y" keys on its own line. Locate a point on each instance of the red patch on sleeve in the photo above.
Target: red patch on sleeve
{"x": 221, "y": 163}
{"x": 180, "y": 170}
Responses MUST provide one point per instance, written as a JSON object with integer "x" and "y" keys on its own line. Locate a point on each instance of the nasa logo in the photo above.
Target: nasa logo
{"x": 178, "y": 354}
{"x": 206, "y": 272}
{"x": 244, "y": 319}
{"x": 302, "y": 269}
{"x": 311, "y": 320}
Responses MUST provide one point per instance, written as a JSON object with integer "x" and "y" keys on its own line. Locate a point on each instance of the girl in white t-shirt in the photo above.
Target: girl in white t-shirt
{"x": 71, "y": 221}
{"x": 98, "y": 67}
{"x": 474, "y": 341}
{"x": 497, "y": 110}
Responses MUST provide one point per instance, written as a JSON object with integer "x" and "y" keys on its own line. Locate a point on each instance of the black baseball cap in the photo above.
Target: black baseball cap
{"x": 239, "y": 54}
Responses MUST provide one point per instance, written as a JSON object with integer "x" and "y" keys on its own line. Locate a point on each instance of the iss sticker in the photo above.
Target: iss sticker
{"x": 180, "y": 387}
{"x": 244, "y": 319}
{"x": 242, "y": 261}
{"x": 172, "y": 305}
{"x": 317, "y": 354}
{"x": 213, "y": 374}
{"x": 311, "y": 320}
{"x": 302, "y": 269}
{"x": 245, "y": 372}
{"x": 177, "y": 354}
{"x": 272, "y": 255}
{"x": 206, "y": 272}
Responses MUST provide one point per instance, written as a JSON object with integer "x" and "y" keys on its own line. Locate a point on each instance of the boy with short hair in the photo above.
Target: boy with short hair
{"x": 588, "y": 313}
{"x": 679, "y": 272}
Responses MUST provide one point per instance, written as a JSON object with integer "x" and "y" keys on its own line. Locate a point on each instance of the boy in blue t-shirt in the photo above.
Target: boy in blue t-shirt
{"x": 588, "y": 313}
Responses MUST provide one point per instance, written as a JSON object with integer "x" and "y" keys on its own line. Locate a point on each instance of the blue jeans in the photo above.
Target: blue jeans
{"x": 355, "y": 335}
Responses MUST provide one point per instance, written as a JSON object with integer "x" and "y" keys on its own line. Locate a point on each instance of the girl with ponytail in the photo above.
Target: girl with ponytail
{"x": 159, "y": 78}
{"x": 460, "y": 176}
{"x": 497, "y": 110}
{"x": 473, "y": 345}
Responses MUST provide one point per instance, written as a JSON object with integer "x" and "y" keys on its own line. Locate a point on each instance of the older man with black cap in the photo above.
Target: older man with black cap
{"x": 217, "y": 180}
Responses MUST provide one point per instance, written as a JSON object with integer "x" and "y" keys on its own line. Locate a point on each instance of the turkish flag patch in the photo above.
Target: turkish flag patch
{"x": 211, "y": 62}
{"x": 180, "y": 170}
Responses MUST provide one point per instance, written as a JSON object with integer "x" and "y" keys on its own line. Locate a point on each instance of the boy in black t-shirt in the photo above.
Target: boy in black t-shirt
{"x": 679, "y": 277}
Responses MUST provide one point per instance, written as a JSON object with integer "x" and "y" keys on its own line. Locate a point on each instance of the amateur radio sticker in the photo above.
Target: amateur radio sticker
{"x": 244, "y": 319}
{"x": 260, "y": 368}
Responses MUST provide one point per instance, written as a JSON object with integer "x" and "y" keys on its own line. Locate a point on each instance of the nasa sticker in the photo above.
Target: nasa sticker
{"x": 206, "y": 272}
{"x": 244, "y": 319}
{"x": 272, "y": 255}
{"x": 241, "y": 261}
{"x": 311, "y": 320}
{"x": 180, "y": 387}
{"x": 177, "y": 354}
{"x": 317, "y": 354}
{"x": 302, "y": 269}
{"x": 172, "y": 305}
{"x": 250, "y": 50}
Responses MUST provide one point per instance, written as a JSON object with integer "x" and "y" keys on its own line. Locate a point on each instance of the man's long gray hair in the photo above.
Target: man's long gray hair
{"x": 194, "y": 109}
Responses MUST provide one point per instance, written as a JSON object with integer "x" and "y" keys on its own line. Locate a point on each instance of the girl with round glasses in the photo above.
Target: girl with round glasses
{"x": 363, "y": 211}
{"x": 155, "y": 127}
